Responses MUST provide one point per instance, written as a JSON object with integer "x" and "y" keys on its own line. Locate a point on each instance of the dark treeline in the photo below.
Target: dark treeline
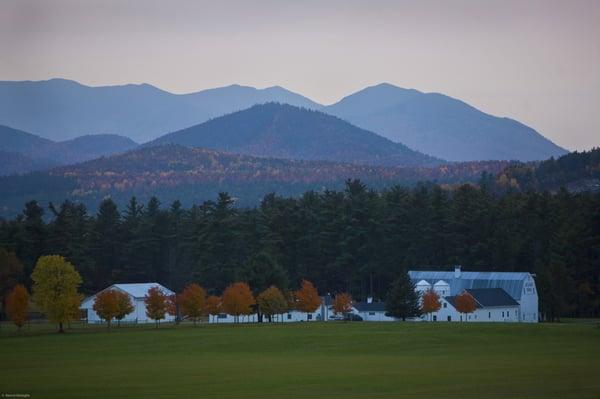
{"x": 356, "y": 240}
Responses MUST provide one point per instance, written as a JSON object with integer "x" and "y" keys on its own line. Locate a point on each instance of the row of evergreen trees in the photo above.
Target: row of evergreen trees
{"x": 355, "y": 241}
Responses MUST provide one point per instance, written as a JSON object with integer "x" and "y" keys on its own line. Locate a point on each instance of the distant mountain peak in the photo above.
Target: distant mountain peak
{"x": 442, "y": 126}
{"x": 284, "y": 131}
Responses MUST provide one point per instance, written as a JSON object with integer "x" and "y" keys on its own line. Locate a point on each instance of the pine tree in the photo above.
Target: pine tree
{"x": 402, "y": 300}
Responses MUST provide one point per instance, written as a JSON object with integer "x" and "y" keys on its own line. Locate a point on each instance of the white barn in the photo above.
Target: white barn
{"x": 500, "y": 296}
{"x": 136, "y": 292}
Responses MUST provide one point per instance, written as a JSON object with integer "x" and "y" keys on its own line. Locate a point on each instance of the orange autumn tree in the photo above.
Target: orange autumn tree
{"x": 342, "y": 303}
{"x": 156, "y": 304}
{"x": 17, "y": 303}
{"x": 465, "y": 303}
{"x": 192, "y": 302}
{"x": 173, "y": 306}
{"x": 124, "y": 306}
{"x": 272, "y": 302}
{"x": 106, "y": 305}
{"x": 307, "y": 298}
{"x": 213, "y": 306}
{"x": 238, "y": 300}
{"x": 430, "y": 302}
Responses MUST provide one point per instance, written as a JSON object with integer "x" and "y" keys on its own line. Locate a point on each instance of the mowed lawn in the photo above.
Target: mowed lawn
{"x": 308, "y": 360}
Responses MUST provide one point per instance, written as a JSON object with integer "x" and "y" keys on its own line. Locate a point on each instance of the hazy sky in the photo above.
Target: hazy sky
{"x": 535, "y": 61}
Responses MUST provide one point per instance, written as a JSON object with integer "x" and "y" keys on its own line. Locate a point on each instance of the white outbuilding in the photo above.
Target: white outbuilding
{"x": 136, "y": 292}
{"x": 371, "y": 311}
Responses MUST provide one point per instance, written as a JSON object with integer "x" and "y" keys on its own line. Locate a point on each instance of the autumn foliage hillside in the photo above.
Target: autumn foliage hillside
{"x": 196, "y": 174}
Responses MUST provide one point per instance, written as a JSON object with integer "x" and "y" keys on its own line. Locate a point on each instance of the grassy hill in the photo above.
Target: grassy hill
{"x": 308, "y": 360}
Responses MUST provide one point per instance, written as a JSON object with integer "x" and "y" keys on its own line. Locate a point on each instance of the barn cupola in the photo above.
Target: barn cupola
{"x": 442, "y": 288}
{"x": 422, "y": 286}
{"x": 457, "y": 271}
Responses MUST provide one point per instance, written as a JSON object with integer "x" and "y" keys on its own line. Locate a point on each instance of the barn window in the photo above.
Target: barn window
{"x": 445, "y": 305}
{"x": 508, "y": 313}
{"x": 502, "y": 314}
{"x": 289, "y": 316}
{"x": 309, "y": 317}
{"x": 489, "y": 315}
{"x": 371, "y": 313}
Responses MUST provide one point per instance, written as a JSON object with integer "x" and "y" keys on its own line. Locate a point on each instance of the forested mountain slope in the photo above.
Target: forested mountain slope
{"x": 284, "y": 131}
{"x": 577, "y": 171}
{"x": 27, "y": 152}
{"x": 442, "y": 126}
{"x": 195, "y": 174}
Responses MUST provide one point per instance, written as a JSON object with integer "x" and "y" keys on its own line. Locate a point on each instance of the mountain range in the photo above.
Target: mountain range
{"x": 284, "y": 131}
{"x": 25, "y": 152}
{"x": 60, "y": 109}
{"x": 431, "y": 123}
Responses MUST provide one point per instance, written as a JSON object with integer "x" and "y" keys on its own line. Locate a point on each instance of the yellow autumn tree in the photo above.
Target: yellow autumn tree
{"x": 271, "y": 302}
{"x": 55, "y": 284}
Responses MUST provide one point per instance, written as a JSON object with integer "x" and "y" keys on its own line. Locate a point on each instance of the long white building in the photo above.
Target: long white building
{"x": 136, "y": 292}
{"x": 499, "y": 296}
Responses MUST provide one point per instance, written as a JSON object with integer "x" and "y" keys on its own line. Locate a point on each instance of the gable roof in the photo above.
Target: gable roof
{"x": 452, "y": 301}
{"x": 486, "y": 297}
{"x": 492, "y": 297}
{"x": 369, "y": 307}
{"x": 511, "y": 282}
{"x": 139, "y": 290}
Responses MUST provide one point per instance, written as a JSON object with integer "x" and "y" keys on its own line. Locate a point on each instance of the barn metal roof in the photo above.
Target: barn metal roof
{"x": 511, "y": 282}
{"x": 369, "y": 306}
{"x": 492, "y": 297}
{"x": 139, "y": 290}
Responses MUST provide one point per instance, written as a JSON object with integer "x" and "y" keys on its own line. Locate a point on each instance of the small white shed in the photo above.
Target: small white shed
{"x": 136, "y": 292}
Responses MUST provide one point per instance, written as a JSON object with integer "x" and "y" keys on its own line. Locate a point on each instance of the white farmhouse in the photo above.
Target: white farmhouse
{"x": 136, "y": 292}
{"x": 371, "y": 311}
{"x": 500, "y": 296}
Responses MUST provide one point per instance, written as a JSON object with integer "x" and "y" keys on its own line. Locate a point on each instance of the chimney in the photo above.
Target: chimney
{"x": 457, "y": 271}
{"x": 369, "y": 299}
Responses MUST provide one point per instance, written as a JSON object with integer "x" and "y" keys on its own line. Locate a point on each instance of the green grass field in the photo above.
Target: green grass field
{"x": 307, "y": 360}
